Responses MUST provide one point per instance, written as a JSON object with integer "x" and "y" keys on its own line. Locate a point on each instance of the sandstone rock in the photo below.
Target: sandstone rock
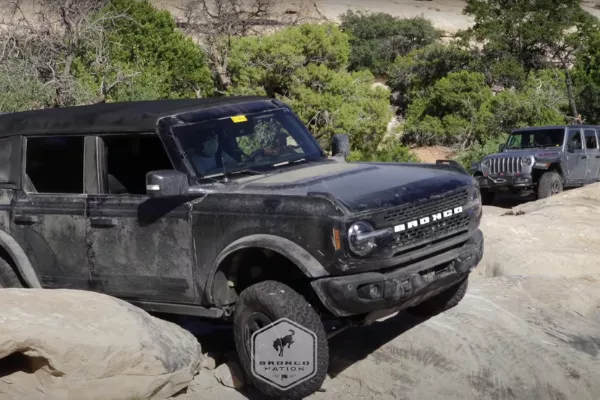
{"x": 209, "y": 361}
{"x": 70, "y": 344}
{"x": 230, "y": 375}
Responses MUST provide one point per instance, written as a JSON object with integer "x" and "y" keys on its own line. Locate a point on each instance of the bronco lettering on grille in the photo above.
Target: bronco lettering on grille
{"x": 428, "y": 219}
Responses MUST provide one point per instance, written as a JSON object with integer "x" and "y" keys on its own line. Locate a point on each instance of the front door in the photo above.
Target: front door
{"x": 48, "y": 217}
{"x": 576, "y": 157}
{"x": 140, "y": 248}
{"x": 593, "y": 153}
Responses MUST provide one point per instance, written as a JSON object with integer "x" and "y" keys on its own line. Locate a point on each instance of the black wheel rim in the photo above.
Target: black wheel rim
{"x": 555, "y": 189}
{"x": 254, "y": 322}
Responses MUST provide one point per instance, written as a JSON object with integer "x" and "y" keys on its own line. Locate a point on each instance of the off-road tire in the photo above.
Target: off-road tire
{"x": 550, "y": 184}
{"x": 276, "y": 300}
{"x": 487, "y": 197}
{"x": 442, "y": 301}
{"x": 8, "y": 276}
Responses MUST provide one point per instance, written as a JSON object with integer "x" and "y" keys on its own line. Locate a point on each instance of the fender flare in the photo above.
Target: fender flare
{"x": 20, "y": 259}
{"x": 296, "y": 254}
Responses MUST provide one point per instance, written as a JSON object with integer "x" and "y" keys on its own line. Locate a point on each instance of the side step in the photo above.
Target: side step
{"x": 180, "y": 309}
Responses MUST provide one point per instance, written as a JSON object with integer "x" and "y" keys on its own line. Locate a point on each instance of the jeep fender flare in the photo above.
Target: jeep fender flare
{"x": 20, "y": 259}
{"x": 293, "y": 252}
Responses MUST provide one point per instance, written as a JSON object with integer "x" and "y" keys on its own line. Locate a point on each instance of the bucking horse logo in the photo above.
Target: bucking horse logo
{"x": 280, "y": 343}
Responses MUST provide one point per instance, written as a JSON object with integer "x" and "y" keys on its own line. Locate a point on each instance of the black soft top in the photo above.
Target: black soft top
{"x": 134, "y": 116}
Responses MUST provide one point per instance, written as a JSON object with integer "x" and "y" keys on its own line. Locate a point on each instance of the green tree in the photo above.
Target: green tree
{"x": 450, "y": 112}
{"x": 378, "y": 38}
{"x": 411, "y": 75}
{"x": 586, "y": 77}
{"x": 536, "y": 33}
{"x": 170, "y": 65}
{"x": 264, "y": 65}
{"x": 331, "y": 102}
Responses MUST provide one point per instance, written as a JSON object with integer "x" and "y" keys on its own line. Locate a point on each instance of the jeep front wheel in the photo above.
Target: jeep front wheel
{"x": 441, "y": 302}
{"x": 264, "y": 303}
{"x": 550, "y": 184}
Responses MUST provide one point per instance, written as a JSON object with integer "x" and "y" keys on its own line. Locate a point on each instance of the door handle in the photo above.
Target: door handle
{"x": 584, "y": 156}
{"x": 598, "y": 156}
{"x": 103, "y": 221}
{"x": 25, "y": 219}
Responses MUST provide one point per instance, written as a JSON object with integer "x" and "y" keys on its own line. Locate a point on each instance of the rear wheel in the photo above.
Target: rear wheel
{"x": 263, "y": 303}
{"x": 550, "y": 184}
{"x": 441, "y": 302}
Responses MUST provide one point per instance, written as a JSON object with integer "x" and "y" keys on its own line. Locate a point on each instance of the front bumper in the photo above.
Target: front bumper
{"x": 499, "y": 182}
{"x": 403, "y": 287}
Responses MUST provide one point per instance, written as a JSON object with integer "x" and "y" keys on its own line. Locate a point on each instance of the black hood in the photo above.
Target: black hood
{"x": 364, "y": 186}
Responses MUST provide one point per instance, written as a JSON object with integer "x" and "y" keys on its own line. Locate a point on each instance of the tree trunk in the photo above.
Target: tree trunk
{"x": 570, "y": 93}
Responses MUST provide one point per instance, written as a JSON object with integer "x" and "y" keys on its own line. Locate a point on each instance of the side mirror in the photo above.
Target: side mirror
{"x": 340, "y": 146}
{"x": 572, "y": 145}
{"x": 501, "y": 147}
{"x": 166, "y": 183}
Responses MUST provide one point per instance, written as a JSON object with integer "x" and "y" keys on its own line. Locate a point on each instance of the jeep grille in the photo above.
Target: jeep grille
{"x": 424, "y": 208}
{"x": 508, "y": 165}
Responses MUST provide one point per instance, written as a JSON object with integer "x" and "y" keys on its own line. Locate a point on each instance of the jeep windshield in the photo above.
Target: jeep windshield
{"x": 536, "y": 138}
{"x": 253, "y": 143}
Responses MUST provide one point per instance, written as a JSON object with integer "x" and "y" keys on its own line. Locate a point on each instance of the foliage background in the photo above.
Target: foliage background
{"x": 522, "y": 63}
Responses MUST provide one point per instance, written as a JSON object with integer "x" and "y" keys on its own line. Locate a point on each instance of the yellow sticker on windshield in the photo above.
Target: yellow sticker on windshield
{"x": 239, "y": 118}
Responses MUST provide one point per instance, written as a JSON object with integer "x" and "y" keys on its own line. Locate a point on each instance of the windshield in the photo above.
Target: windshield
{"x": 246, "y": 142}
{"x": 536, "y": 138}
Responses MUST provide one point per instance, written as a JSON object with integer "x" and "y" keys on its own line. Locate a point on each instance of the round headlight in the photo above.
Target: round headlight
{"x": 365, "y": 246}
{"x": 527, "y": 161}
{"x": 486, "y": 163}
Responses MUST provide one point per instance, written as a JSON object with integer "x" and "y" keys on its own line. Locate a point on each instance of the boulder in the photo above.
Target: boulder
{"x": 557, "y": 236}
{"x": 71, "y": 344}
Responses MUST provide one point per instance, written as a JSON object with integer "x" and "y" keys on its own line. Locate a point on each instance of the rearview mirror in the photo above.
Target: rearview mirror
{"x": 340, "y": 146}
{"x": 501, "y": 147}
{"x": 165, "y": 183}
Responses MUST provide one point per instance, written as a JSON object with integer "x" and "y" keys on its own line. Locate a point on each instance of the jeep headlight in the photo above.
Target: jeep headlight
{"x": 359, "y": 240}
{"x": 527, "y": 161}
{"x": 486, "y": 163}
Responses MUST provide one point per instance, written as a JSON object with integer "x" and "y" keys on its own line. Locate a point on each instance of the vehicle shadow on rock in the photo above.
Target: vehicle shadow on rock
{"x": 356, "y": 344}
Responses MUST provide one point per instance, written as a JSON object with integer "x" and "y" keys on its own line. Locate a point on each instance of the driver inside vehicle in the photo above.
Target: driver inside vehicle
{"x": 206, "y": 153}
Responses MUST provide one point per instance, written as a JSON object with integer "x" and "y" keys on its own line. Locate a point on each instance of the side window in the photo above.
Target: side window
{"x": 54, "y": 164}
{"x": 591, "y": 141}
{"x": 575, "y": 140}
{"x": 128, "y": 159}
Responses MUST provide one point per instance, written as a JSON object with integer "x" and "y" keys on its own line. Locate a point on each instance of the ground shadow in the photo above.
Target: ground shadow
{"x": 507, "y": 200}
{"x": 356, "y": 344}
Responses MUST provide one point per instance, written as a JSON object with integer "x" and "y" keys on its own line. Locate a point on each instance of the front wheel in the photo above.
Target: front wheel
{"x": 550, "y": 184}
{"x": 262, "y": 304}
{"x": 441, "y": 302}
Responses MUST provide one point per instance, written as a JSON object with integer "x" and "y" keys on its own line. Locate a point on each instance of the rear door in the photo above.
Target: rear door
{"x": 48, "y": 217}
{"x": 576, "y": 157}
{"x": 593, "y": 153}
{"x": 141, "y": 249}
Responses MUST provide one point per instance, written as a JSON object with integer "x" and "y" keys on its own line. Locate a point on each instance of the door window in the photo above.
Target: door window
{"x": 591, "y": 141}
{"x": 54, "y": 164}
{"x": 574, "y": 141}
{"x": 127, "y": 160}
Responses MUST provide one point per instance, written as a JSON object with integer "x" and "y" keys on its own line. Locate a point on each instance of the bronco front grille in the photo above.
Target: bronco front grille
{"x": 426, "y": 208}
{"x": 508, "y": 165}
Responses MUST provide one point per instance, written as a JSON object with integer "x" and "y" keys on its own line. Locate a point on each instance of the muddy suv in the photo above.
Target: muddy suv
{"x": 542, "y": 161}
{"x": 228, "y": 208}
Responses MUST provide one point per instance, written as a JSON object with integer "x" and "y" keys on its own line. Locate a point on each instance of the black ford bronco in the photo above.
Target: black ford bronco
{"x": 228, "y": 208}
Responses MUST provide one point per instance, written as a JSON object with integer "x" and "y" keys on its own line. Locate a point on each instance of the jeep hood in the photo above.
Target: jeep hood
{"x": 363, "y": 186}
{"x": 537, "y": 151}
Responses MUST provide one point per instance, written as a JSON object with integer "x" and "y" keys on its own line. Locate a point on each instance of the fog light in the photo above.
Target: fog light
{"x": 371, "y": 291}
